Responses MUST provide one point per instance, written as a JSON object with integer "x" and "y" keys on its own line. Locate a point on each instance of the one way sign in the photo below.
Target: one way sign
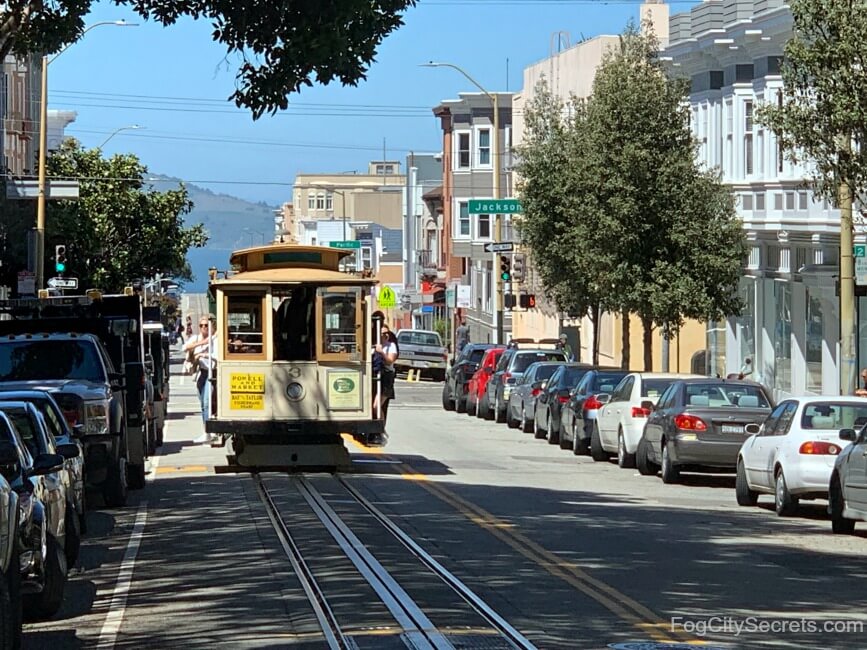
{"x": 63, "y": 283}
{"x": 500, "y": 247}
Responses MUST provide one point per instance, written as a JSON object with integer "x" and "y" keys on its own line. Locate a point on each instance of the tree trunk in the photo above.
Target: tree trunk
{"x": 647, "y": 324}
{"x": 624, "y": 318}
{"x": 595, "y": 316}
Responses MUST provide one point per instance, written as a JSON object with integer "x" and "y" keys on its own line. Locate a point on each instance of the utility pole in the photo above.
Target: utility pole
{"x": 498, "y": 230}
{"x": 847, "y": 293}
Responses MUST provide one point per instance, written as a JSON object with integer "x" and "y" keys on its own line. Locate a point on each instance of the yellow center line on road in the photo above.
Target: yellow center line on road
{"x": 626, "y": 608}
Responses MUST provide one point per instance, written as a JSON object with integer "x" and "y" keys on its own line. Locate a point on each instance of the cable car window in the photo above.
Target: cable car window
{"x": 339, "y": 323}
{"x": 244, "y": 325}
{"x": 294, "y": 324}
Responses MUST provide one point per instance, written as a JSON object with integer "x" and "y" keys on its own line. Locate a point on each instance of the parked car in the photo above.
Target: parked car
{"x": 478, "y": 385}
{"x": 10, "y": 571}
{"x": 700, "y": 424}
{"x": 510, "y": 368}
{"x": 847, "y": 490}
{"x": 422, "y": 350}
{"x": 459, "y": 374}
{"x": 63, "y": 435}
{"x": 578, "y": 415}
{"x": 63, "y": 519}
{"x": 791, "y": 455}
{"x": 42, "y": 562}
{"x": 621, "y": 421}
{"x": 521, "y": 409}
{"x": 550, "y": 402}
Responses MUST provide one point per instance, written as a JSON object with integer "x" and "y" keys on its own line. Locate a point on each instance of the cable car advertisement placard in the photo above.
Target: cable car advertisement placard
{"x": 344, "y": 390}
{"x": 247, "y": 391}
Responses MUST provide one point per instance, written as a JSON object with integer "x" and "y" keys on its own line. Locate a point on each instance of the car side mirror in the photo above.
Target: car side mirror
{"x": 45, "y": 464}
{"x": 848, "y": 435}
{"x": 68, "y": 450}
{"x": 647, "y": 405}
{"x": 752, "y": 428}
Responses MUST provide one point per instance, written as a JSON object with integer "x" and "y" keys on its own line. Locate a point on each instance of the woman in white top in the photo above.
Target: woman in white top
{"x": 390, "y": 352}
{"x": 203, "y": 349}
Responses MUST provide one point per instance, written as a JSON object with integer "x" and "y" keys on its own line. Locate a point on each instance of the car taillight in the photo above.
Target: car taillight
{"x": 819, "y": 447}
{"x": 592, "y": 404}
{"x": 638, "y": 412}
{"x": 535, "y": 392}
{"x": 563, "y": 398}
{"x": 689, "y": 423}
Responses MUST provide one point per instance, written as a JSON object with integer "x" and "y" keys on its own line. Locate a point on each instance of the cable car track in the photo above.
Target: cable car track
{"x": 418, "y": 631}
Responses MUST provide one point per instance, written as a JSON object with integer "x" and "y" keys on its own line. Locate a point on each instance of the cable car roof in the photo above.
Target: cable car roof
{"x": 294, "y": 276}
{"x": 285, "y": 256}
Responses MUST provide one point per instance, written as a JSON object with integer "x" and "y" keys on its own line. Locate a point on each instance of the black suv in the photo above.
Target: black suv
{"x": 458, "y": 376}
{"x": 513, "y": 362}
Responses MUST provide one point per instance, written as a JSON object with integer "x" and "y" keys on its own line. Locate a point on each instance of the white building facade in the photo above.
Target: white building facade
{"x": 732, "y": 51}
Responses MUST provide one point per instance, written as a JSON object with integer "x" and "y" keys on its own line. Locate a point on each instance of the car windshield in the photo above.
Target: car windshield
{"x": 833, "y": 416}
{"x": 606, "y": 382}
{"x": 524, "y": 359}
{"x": 26, "y": 428}
{"x": 49, "y": 359}
{"x": 653, "y": 388}
{"x": 418, "y": 338}
{"x": 726, "y": 396}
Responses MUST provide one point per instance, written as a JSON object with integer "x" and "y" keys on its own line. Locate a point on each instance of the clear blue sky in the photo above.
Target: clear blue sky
{"x": 174, "y": 81}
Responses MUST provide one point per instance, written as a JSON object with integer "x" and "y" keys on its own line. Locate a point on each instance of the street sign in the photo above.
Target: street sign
{"x": 495, "y": 206}
{"x": 860, "y": 253}
{"x": 63, "y": 283}
{"x": 465, "y": 296}
{"x": 499, "y": 247}
{"x": 54, "y": 189}
{"x": 345, "y": 244}
{"x": 427, "y": 309}
{"x": 387, "y": 297}
{"x": 451, "y": 295}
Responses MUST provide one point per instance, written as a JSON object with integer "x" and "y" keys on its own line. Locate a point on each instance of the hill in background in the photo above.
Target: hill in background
{"x": 231, "y": 222}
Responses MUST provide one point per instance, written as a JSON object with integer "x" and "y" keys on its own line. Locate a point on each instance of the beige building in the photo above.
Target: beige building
{"x": 570, "y": 72}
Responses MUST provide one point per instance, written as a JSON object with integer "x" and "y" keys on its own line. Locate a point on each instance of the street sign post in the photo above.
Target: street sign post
{"x": 63, "y": 283}
{"x": 495, "y": 206}
{"x": 859, "y": 252}
{"x": 345, "y": 244}
{"x": 499, "y": 247}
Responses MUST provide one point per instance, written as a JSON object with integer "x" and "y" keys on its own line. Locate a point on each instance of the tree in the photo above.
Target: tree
{"x": 283, "y": 45}
{"x": 120, "y": 229}
{"x": 821, "y": 117}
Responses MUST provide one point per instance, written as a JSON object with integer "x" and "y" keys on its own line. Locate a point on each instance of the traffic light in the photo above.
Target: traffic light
{"x": 518, "y": 268}
{"x": 531, "y": 301}
{"x": 509, "y": 300}
{"x": 524, "y": 301}
{"x": 505, "y": 268}
{"x": 60, "y": 258}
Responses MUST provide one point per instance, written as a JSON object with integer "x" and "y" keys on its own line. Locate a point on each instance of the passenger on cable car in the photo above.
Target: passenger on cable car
{"x": 389, "y": 353}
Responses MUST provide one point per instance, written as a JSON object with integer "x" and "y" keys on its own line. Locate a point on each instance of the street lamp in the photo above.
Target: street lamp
{"x": 498, "y": 229}
{"x": 131, "y": 127}
{"x": 43, "y": 145}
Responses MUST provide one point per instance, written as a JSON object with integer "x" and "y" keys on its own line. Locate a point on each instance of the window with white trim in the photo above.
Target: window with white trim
{"x": 311, "y": 201}
{"x": 329, "y": 201}
{"x": 462, "y": 225}
{"x": 484, "y": 147}
{"x": 803, "y": 204}
{"x": 320, "y": 201}
{"x": 760, "y": 200}
{"x": 463, "y": 156}
{"x": 483, "y": 226}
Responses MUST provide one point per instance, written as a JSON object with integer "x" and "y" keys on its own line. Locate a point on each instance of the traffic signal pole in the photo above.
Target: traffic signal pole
{"x": 498, "y": 229}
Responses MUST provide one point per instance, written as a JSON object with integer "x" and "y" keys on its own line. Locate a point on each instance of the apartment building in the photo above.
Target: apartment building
{"x": 732, "y": 51}
{"x": 468, "y": 173}
{"x": 19, "y": 115}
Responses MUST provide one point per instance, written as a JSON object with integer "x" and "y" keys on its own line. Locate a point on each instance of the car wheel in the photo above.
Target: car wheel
{"x": 135, "y": 476}
{"x": 553, "y": 436}
{"x": 526, "y": 425}
{"x": 46, "y": 603}
{"x": 597, "y": 453}
{"x": 511, "y": 422}
{"x": 539, "y": 432}
{"x": 642, "y": 461}
{"x": 625, "y": 460}
{"x": 579, "y": 445}
{"x": 564, "y": 444}
{"x": 670, "y": 471}
{"x": 115, "y": 490}
{"x": 460, "y": 401}
{"x": 448, "y": 404}
{"x": 840, "y": 525}
{"x": 72, "y": 542}
{"x": 784, "y": 503}
{"x": 745, "y": 496}
{"x": 483, "y": 407}
{"x": 499, "y": 414}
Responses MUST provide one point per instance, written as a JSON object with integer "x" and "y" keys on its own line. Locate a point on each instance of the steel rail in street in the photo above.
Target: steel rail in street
{"x": 324, "y": 614}
{"x": 508, "y": 632}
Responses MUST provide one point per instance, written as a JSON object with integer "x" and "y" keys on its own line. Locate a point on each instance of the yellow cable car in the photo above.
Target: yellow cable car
{"x": 292, "y": 355}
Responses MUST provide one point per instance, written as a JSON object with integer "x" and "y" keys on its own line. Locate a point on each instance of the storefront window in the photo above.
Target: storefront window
{"x": 747, "y": 321}
{"x": 716, "y": 345}
{"x": 814, "y": 337}
{"x": 783, "y": 337}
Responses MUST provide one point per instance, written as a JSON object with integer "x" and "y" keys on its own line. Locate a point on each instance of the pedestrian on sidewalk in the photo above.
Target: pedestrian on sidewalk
{"x": 462, "y": 336}
{"x": 203, "y": 347}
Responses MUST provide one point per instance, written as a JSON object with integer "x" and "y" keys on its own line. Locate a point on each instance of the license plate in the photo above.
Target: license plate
{"x": 732, "y": 428}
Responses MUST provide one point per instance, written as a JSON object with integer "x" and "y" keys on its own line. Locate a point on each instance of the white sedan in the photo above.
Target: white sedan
{"x": 621, "y": 420}
{"x": 792, "y": 454}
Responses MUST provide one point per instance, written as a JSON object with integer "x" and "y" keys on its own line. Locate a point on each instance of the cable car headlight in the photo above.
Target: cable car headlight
{"x": 295, "y": 391}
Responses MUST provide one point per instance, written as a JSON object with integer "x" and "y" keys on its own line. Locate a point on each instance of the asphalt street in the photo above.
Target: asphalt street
{"x": 572, "y": 553}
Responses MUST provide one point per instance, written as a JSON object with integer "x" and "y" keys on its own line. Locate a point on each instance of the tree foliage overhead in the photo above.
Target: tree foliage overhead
{"x": 120, "y": 229}
{"x": 617, "y": 211}
{"x": 823, "y": 117}
{"x": 283, "y": 45}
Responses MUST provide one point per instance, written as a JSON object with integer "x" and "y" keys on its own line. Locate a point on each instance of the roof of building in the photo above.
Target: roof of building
{"x": 436, "y": 194}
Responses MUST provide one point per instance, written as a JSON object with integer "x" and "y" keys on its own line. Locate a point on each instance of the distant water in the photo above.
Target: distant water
{"x": 201, "y": 259}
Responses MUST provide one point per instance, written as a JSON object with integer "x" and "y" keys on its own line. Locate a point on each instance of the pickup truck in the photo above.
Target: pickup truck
{"x": 422, "y": 350}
